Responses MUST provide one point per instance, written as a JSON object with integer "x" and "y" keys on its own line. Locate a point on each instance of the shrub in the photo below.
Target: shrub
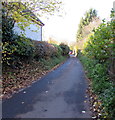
{"x": 99, "y": 46}
{"x": 24, "y": 46}
{"x": 65, "y": 48}
{"x": 44, "y": 50}
{"x": 101, "y": 84}
{"x": 7, "y": 26}
{"x": 108, "y": 98}
{"x": 20, "y": 48}
{"x": 58, "y": 51}
{"x": 7, "y": 35}
{"x": 14, "y": 47}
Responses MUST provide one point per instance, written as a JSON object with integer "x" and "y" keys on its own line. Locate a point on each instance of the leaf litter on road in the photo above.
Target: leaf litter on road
{"x": 13, "y": 80}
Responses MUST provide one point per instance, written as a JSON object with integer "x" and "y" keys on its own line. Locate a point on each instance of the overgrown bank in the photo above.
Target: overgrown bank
{"x": 101, "y": 89}
{"x": 97, "y": 57}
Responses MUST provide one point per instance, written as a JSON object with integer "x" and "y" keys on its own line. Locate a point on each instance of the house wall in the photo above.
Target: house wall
{"x": 33, "y": 31}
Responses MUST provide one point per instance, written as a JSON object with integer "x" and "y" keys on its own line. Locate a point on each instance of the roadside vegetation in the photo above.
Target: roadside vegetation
{"x": 97, "y": 56}
{"x": 25, "y": 60}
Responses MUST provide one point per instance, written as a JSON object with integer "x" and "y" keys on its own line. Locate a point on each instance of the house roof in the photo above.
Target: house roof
{"x": 25, "y": 12}
{"x": 32, "y": 15}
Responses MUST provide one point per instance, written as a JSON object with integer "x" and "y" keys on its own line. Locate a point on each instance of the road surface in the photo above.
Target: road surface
{"x": 59, "y": 94}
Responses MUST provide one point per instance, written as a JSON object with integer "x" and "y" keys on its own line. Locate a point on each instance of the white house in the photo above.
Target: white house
{"x": 33, "y": 30}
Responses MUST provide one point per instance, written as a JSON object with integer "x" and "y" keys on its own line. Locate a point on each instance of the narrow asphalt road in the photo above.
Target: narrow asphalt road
{"x": 59, "y": 94}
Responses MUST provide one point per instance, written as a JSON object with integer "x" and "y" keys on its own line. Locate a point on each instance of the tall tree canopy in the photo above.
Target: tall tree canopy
{"x": 24, "y": 9}
{"x": 85, "y": 20}
{"x": 39, "y": 7}
{"x": 43, "y": 6}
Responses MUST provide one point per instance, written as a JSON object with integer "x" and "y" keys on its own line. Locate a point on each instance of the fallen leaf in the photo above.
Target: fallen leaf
{"x": 83, "y": 111}
{"x": 24, "y": 92}
{"x": 22, "y": 102}
{"x": 46, "y": 91}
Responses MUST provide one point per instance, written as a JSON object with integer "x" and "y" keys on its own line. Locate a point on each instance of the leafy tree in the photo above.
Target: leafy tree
{"x": 13, "y": 46}
{"x": 7, "y": 27}
{"x": 99, "y": 44}
{"x": 39, "y": 8}
{"x": 43, "y": 6}
{"x": 7, "y": 35}
{"x": 84, "y": 21}
{"x": 22, "y": 12}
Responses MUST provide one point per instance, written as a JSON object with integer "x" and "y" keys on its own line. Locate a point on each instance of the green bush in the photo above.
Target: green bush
{"x": 20, "y": 48}
{"x": 7, "y": 36}
{"x": 58, "y": 51}
{"x": 65, "y": 49}
{"x": 24, "y": 47}
{"x": 7, "y": 26}
{"x": 101, "y": 84}
{"x": 108, "y": 98}
{"x": 99, "y": 46}
{"x": 14, "y": 47}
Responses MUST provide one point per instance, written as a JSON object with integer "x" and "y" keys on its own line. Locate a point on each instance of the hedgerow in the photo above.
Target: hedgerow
{"x": 59, "y": 51}
{"x": 100, "y": 84}
{"x": 99, "y": 46}
{"x": 97, "y": 57}
{"x": 43, "y": 49}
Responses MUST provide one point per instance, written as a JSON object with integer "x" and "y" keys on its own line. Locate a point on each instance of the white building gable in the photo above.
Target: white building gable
{"x": 33, "y": 31}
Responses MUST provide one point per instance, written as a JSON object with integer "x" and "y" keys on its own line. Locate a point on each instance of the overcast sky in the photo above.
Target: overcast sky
{"x": 65, "y": 28}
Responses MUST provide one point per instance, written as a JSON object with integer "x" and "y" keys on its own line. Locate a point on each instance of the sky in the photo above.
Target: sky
{"x": 65, "y": 28}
